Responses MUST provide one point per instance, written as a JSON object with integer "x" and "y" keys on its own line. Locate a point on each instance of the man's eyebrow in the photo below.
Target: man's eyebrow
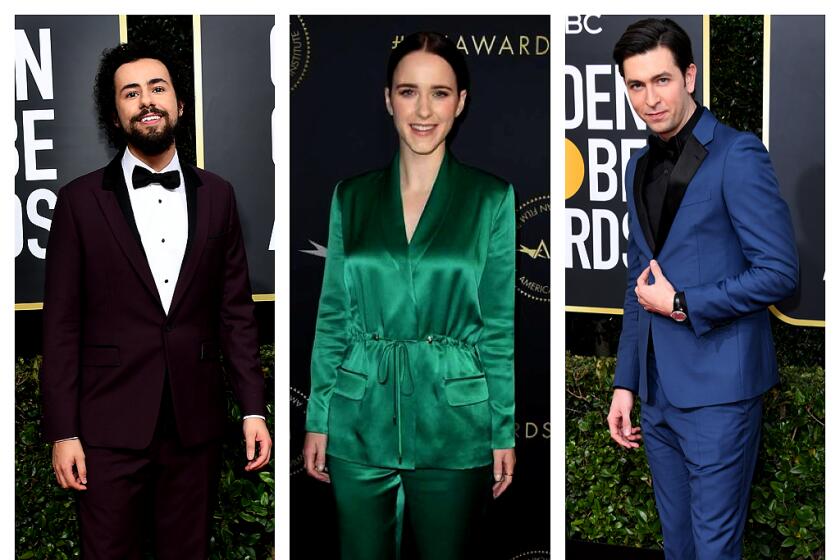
{"x": 150, "y": 82}
{"x": 665, "y": 74}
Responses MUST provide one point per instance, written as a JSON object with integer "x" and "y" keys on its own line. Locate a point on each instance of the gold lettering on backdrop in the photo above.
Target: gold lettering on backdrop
{"x": 524, "y": 40}
{"x": 534, "y": 286}
{"x": 544, "y": 40}
{"x": 297, "y": 51}
{"x": 509, "y": 48}
{"x": 482, "y": 43}
{"x": 462, "y": 45}
{"x": 533, "y": 430}
{"x": 493, "y": 45}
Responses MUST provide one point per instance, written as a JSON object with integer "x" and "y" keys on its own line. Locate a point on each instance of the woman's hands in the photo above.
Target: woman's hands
{"x": 503, "y": 463}
{"x": 315, "y": 456}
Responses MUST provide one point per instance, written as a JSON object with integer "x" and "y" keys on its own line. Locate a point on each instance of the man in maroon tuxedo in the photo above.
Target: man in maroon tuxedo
{"x": 146, "y": 284}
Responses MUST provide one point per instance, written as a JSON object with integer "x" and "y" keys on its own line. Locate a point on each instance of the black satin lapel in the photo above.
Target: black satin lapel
{"x": 390, "y": 210}
{"x": 114, "y": 180}
{"x": 191, "y": 183}
{"x": 641, "y": 208}
{"x": 687, "y": 165}
{"x": 116, "y": 206}
{"x": 198, "y": 217}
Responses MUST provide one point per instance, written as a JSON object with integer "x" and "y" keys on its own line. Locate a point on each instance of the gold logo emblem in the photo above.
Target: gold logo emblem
{"x": 532, "y": 224}
{"x": 299, "y": 51}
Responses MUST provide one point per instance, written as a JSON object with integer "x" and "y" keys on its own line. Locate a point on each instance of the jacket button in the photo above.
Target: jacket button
{"x": 169, "y": 327}
{"x": 375, "y": 336}
{"x": 429, "y": 339}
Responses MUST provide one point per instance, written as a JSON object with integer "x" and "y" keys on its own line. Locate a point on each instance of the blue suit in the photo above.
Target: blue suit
{"x": 726, "y": 240}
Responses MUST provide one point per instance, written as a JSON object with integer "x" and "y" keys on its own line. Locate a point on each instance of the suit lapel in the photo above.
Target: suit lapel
{"x": 434, "y": 213}
{"x": 641, "y": 209}
{"x": 686, "y": 167}
{"x": 198, "y": 220}
{"x": 392, "y": 219}
{"x": 389, "y": 209}
{"x": 116, "y": 206}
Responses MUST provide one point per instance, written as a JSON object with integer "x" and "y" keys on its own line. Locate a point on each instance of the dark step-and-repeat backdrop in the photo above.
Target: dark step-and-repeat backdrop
{"x": 56, "y": 58}
{"x": 602, "y": 131}
{"x": 339, "y": 128}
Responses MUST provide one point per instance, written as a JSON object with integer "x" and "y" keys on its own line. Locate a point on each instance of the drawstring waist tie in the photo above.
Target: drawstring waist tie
{"x": 394, "y": 364}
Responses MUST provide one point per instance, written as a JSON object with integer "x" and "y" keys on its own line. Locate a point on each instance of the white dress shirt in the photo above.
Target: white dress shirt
{"x": 161, "y": 218}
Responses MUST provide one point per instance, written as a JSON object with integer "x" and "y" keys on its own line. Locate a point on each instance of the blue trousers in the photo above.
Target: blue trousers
{"x": 702, "y": 461}
{"x": 443, "y": 508}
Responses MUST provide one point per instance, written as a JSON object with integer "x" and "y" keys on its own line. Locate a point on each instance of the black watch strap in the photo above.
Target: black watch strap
{"x": 679, "y": 302}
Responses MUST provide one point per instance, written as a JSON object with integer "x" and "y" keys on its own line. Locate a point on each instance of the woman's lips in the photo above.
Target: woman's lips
{"x": 422, "y": 129}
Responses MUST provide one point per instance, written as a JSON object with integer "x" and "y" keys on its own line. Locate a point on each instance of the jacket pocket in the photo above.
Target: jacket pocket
{"x": 350, "y": 384}
{"x": 217, "y": 239}
{"x": 466, "y": 390}
{"x": 100, "y": 356}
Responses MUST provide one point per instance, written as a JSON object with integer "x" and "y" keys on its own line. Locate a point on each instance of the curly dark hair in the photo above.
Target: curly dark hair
{"x": 105, "y": 96}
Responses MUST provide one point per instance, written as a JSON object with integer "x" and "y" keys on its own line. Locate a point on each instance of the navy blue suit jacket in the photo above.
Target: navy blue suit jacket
{"x": 727, "y": 241}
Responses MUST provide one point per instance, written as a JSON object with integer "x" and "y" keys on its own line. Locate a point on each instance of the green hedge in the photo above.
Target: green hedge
{"x": 609, "y": 497}
{"x": 45, "y": 515}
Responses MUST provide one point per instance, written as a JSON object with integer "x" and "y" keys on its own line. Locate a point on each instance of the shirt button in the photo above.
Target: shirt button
{"x": 163, "y": 240}
{"x": 160, "y": 201}
{"x": 166, "y": 281}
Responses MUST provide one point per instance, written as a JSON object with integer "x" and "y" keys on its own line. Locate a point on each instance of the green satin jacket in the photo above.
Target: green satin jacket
{"x": 412, "y": 364}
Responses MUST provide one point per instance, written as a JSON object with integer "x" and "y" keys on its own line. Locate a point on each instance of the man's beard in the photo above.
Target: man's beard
{"x": 152, "y": 142}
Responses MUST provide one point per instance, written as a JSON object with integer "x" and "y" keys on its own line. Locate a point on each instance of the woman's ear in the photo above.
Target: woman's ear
{"x": 388, "y": 106}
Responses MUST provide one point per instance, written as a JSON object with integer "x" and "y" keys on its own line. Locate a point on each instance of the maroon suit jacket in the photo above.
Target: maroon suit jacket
{"x": 108, "y": 344}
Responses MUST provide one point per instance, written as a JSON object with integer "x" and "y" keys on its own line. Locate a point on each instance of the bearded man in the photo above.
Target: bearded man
{"x": 146, "y": 285}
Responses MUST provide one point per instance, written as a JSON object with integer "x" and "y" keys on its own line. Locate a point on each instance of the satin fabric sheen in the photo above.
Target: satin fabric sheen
{"x": 412, "y": 364}
{"x": 442, "y": 509}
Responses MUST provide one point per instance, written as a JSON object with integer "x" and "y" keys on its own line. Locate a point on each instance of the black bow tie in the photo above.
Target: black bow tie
{"x": 142, "y": 177}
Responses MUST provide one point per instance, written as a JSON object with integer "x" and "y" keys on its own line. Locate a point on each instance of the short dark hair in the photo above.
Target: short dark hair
{"x": 648, "y": 34}
{"x": 435, "y": 43}
{"x": 105, "y": 95}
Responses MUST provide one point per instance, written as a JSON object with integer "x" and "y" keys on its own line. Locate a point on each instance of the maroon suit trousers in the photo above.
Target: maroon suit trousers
{"x": 166, "y": 490}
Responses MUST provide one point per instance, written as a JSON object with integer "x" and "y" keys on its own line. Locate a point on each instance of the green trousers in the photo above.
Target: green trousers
{"x": 442, "y": 507}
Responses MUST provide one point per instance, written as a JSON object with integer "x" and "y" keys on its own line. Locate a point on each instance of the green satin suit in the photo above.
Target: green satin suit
{"x": 412, "y": 365}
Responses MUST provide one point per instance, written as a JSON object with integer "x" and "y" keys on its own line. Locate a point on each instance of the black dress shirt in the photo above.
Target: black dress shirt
{"x": 662, "y": 157}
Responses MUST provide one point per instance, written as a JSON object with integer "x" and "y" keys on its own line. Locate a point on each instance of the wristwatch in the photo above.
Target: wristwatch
{"x": 680, "y": 312}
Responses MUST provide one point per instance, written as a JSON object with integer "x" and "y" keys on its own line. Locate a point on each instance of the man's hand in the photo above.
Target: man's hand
{"x": 503, "y": 463}
{"x": 315, "y": 456}
{"x": 657, "y": 297}
{"x": 66, "y": 455}
{"x": 255, "y": 432}
{"x": 621, "y": 430}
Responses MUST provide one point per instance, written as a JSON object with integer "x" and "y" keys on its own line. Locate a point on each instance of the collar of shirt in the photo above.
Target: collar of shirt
{"x": 661, "y": 150}
{"x": 129, "y": 161}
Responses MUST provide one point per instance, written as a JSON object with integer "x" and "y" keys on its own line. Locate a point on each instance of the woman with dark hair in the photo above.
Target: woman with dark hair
{"x": 411, "y": 405}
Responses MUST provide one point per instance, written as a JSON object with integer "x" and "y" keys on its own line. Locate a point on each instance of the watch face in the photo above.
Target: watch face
{"x": 678, "y": 316}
